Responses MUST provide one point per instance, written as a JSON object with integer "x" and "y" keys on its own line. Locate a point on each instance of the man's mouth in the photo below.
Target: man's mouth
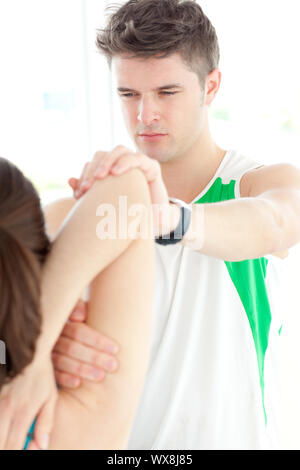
{"x": 151, "y": 133}
{"x": 151, "y": 136}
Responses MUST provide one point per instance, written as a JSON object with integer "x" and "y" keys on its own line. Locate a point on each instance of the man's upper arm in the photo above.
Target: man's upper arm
{"x": 280, "y": 183}
{"x": 55, "y": 213}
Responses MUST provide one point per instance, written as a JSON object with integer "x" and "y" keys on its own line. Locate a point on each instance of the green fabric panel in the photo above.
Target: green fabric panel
{"x": 218, "y": 192}
{"x": 248, "y": 277}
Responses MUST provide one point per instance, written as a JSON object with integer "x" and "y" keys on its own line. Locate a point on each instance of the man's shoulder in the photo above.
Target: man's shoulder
{"x": 247, "y": 179}
{"x": 266, "y": 177}
{"x": 256, "y": 180}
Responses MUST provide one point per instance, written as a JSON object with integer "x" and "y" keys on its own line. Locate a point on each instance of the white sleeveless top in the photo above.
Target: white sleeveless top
{"x": 213, "y": 375}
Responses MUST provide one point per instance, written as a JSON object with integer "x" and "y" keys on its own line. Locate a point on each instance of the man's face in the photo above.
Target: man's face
{"x": 150, "y": 105}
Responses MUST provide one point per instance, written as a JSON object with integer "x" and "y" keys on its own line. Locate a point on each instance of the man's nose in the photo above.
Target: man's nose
{"x": 147, "y": 111}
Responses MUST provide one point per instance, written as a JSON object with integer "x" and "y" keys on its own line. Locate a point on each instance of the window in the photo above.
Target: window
{"x": 47, "y": 112}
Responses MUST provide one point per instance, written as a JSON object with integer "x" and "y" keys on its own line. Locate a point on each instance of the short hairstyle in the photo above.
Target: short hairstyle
{"x": 148, "y": 28}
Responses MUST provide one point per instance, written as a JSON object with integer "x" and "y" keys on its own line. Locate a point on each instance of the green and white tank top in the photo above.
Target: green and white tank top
{"x": 213, "y": 380}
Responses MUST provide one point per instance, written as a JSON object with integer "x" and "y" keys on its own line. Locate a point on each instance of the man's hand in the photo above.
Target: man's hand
{"x": 31, "y": 394}
{"x": 165, "y": 216}
{"x": 82, "y": 352}
{"x": 116, "y": 162}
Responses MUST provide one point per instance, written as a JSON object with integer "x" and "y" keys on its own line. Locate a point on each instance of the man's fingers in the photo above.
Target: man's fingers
{"x": 84, "y": 334}
{"x": 150, "y": 168}
{"x": 83, "y": 353}
{"x": 101, "y": 161}
{"x": 76, "y": 368}
{"x": 88, "y": 172}
{"x": 66, "y": 380}
{"x": 125, "y": 162}
{"x": 79, "y": 313}
{"x": 73, "y": 182}
{"x": 82, "y": 177}
{"x": 109, "y": 160}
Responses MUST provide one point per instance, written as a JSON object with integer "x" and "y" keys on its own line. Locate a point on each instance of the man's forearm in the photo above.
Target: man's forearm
{"x": 233, "y": 230}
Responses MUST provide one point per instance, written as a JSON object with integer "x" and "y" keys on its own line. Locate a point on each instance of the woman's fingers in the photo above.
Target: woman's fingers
{"x": 6, "y": 417}
{"x": 22, "y": 399}
{"x": 44, "y": 423}
{"x": 33, "y": 446}
{"x": 17, "y": 434}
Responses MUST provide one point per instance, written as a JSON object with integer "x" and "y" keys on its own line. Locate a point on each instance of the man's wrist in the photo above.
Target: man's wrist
{"x": 175, "y": 216}
{"x": 195, "y": 235}
{"x": 169, "y": 218}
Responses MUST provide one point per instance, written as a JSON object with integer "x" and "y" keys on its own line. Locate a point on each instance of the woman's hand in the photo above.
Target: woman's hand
{"x": 31, "y": 394}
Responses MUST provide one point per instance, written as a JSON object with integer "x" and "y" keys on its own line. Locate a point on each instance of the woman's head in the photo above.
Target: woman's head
{"x": 24, "y": 246}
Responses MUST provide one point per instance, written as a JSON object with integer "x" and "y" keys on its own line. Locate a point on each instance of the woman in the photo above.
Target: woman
{"x": 41, "y": 283}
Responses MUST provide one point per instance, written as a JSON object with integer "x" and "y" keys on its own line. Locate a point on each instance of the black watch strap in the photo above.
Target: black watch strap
{"x": 177, "y": 235}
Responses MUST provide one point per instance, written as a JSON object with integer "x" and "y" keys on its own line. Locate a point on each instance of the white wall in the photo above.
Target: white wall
{"x": 58, "y": 106}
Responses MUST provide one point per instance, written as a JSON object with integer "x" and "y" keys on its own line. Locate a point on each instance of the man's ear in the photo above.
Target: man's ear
{"x": 212, "y": 85}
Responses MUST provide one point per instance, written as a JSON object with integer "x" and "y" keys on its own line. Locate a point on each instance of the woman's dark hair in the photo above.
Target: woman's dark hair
{"x": 24, "y": 246}
{"x": 149, "y": 28}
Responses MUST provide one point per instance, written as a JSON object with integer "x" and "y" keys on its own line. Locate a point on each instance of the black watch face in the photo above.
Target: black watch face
{"x": 167, "y": 241}
{"x": 177, "y": 235}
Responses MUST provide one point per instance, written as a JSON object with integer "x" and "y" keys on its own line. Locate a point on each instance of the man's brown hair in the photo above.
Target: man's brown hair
{"x": 24, "y": 246}
{"x": 148, "y": 28}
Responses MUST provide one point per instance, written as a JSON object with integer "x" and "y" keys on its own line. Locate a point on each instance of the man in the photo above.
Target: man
{"x": 212, "y": 379}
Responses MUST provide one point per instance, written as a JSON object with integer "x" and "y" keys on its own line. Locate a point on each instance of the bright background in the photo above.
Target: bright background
{"x": 58, "y": 106}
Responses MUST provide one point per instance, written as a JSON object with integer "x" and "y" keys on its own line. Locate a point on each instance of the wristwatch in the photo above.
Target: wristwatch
{"x": 185, "y": 220}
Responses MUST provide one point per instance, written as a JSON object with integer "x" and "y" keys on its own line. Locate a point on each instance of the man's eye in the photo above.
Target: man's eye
{"x": 129, "y": 95}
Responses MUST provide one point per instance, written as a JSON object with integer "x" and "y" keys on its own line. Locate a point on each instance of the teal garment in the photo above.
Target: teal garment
{"x": 30, "y": 434}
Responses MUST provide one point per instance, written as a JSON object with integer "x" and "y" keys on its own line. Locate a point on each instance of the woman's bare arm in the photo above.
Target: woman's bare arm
{"x": 55, "y": 214}
{"x": 100, "y": 415}
{"x": 78, "y": 255}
